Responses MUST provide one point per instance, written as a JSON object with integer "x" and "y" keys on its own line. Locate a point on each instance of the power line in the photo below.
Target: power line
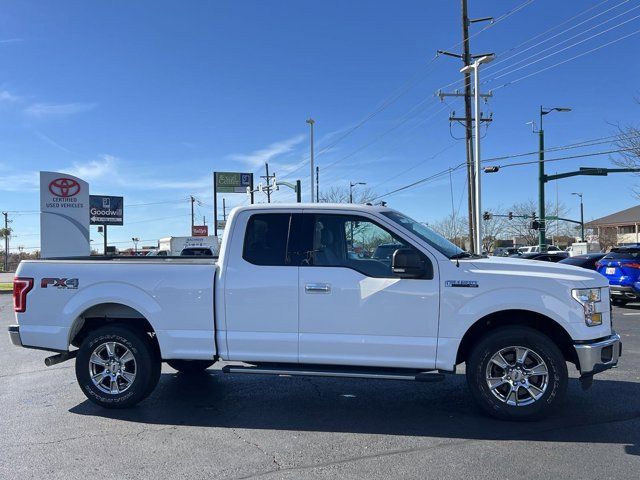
{"x": 457, "y": 167}
{"x": 511, "y": 49}
{"x": 586, "y": 143}
{"x": 559, "y": 51}
{"x": 547, "y": 39}
{"x": 584, "y": 155}
{"x": 511, "y": 82}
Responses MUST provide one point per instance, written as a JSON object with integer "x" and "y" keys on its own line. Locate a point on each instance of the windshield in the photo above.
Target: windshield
{"x": 434, "y": 239}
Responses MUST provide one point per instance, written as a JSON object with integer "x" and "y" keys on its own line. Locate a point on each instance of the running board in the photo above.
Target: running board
{"x": 313, "y": 371}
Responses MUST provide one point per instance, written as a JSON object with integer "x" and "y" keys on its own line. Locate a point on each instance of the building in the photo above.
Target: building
{"x": 620, "y": 228}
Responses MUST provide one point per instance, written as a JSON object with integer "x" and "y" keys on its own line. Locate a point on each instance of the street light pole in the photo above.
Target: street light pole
{"x": 311, "y": 121}
{"x": 581, "y": 216}
{"x": 542, "y": 239}
{"x": 475, "y": 66}
{"x": 351, "y": 185}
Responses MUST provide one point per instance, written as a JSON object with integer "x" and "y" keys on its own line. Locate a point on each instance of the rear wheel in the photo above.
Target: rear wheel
{"x": 517, "y": 373}
{"x": 190, "y": 366}
{"x": 117, "y": 367}
{"x": 619, "y": 302}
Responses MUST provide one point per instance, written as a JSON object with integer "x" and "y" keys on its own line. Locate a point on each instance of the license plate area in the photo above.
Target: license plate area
{"x": 610, "y": 271}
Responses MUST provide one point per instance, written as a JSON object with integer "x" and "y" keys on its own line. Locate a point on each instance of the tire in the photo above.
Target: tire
{"x": 133, "y": 358}
{"x": 619, "y": 302}
{"x": 190, "y": 366}
{"x": 516, "y": 392}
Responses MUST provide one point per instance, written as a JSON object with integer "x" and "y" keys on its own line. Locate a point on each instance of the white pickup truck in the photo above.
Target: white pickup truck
{"x": 349, "y": 291}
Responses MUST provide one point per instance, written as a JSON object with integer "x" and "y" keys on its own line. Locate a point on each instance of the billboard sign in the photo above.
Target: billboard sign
{"x": 106, "y": 210}
{"x": 199, "y": 231}
{"x": 64, "y": 215}
{"x": 232, "y": 182}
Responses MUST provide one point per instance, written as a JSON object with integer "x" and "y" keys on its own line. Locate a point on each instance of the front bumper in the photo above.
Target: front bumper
{"x": 14, "y": 334}
{"x": 598, "y": 356}
{"x": 627, "y": 293}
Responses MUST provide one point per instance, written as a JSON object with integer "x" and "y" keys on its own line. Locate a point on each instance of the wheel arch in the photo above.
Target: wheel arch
{"x": 513, "y": 317}
{"x": 111, "y": 313}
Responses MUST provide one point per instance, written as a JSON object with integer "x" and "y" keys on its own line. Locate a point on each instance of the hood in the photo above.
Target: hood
{"x": 536, "y": 268}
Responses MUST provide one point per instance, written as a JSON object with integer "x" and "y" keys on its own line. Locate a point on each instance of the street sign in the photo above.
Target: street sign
{"x": 222, "y": 224}
{"x": 232, "y": 182}
{"x": 199, "y": 231}
{"x": 106, "y": 210}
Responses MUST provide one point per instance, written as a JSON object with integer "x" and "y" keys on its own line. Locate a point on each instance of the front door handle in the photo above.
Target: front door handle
{"x": 317, "y": 288}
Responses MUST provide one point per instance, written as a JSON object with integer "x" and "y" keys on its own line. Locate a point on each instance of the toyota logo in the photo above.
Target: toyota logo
{"x": 64, "y": 187}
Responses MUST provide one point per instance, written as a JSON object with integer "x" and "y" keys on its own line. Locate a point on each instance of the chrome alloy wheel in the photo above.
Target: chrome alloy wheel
{"x": 517, "y": 376}
{"x": 112, "y": 368}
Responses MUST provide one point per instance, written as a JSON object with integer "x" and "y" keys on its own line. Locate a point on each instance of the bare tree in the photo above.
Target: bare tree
{"x": 629, "y": 140}
{"x": 607, "y": 238}
{"x": 493, "y": 229}
{"x": 520, "y": 226}
{"x": 452, "y": 228}
{"x": 337, "y": 194}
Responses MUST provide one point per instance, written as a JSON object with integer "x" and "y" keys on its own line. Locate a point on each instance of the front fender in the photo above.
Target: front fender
{"x": 460, "y": 310}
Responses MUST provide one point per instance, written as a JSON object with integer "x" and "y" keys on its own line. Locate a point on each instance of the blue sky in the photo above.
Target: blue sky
{"x": 146, "y": 99}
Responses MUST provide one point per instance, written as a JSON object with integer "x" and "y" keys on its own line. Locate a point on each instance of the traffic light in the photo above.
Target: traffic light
{"x": 510, "y": 215}
{"x": 535, "y": 225}
{"x": 487, "y": 216}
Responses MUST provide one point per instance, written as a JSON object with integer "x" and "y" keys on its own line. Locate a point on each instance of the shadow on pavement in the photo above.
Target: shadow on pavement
{"x": 608, "y": 413}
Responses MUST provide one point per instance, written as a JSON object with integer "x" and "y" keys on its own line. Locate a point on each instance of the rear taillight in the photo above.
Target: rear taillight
{"x": 631, "y": 265}
{"x": 21, "y": 286}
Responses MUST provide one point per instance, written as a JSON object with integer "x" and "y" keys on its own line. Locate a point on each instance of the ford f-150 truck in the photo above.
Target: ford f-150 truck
{"x": 297, "y": 290}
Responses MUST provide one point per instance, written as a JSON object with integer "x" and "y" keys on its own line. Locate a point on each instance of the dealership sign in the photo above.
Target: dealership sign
{"x": 232, "y": 182}
{"x": 106, "y": 210}
{"x": 199, "y": 231}
{"x": 64, "y": 215}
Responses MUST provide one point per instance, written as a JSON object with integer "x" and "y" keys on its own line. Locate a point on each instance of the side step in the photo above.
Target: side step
{"x": 340, "y": 372}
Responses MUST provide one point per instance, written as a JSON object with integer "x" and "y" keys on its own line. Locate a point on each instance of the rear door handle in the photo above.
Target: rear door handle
{"x": 317, "y": 288}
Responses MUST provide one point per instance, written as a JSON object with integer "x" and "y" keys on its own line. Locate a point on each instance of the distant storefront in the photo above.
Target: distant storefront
{"x": 620, "y": 228}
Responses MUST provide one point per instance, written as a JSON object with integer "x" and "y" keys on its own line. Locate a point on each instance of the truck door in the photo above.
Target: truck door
{"x": 353, "y": 309}
{"x": 261, "y": 288}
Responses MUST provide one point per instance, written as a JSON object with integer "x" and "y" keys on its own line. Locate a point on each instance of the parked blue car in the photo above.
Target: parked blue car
{"x": 621, "y": 266}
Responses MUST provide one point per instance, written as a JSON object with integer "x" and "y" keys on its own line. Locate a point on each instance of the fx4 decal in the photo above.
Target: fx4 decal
{"x": 68, "y": 283}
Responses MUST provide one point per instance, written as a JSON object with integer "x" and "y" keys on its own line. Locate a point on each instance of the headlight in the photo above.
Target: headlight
{"x": 588, "y": 297}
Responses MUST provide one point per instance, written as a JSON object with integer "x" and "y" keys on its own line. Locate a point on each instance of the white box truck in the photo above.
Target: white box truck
{"x": 174, "y": 245}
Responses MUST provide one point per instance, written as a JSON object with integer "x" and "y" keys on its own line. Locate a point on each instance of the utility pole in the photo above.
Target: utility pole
{"x": 192, "y": 219}
{"x": 466, "y": 58}
{"x": 224, "y": 208}
{"x": 317, "y": 184}
{"x": 311, "y": 121}
{"x": 478, "y": 197}
{"x": 6, "y": 241}
{"x": 268, "y": 178}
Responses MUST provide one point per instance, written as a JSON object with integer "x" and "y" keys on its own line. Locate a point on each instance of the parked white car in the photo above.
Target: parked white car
{"x": 536, "y": 249}
{"x": 285, "y": 297}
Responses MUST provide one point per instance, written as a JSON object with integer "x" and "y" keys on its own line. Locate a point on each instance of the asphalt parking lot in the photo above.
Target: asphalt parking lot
{"x": 232, "y": 427}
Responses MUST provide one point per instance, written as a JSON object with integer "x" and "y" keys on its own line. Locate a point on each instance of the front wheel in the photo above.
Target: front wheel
{"x": 190, "y": 366}
{"x": 117, "y": 367}
{"x": 517, "y": 373}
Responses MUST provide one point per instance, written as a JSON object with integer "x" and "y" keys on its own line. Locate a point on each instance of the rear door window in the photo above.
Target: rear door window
{"x": 272, "y": 239}
{"x": 622, "y": 253}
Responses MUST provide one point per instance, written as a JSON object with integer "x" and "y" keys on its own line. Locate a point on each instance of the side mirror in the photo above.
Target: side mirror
{"x": 406, "y": 263}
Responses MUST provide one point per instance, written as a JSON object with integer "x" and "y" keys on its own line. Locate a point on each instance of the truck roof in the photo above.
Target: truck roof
{"x": 315, "y": 206}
